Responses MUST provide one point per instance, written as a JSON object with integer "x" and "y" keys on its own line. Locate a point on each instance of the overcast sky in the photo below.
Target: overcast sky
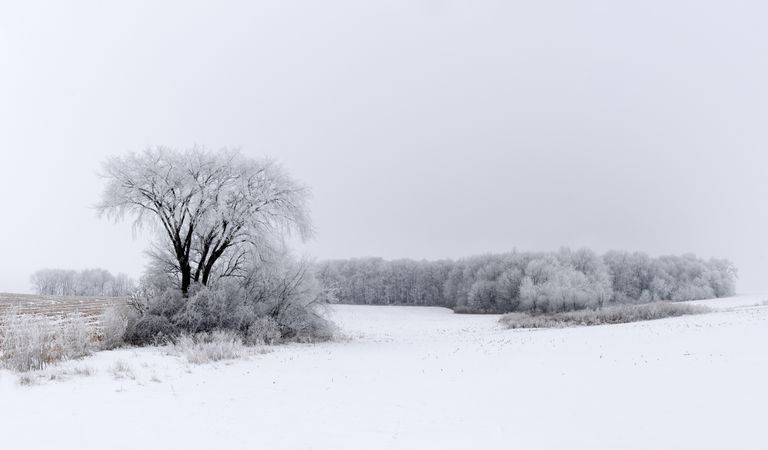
{"x": 426, "y": 129}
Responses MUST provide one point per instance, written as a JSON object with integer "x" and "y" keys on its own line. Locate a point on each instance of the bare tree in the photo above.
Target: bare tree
{"x": 210, "y": 208}
{"x": 89, "y": 282}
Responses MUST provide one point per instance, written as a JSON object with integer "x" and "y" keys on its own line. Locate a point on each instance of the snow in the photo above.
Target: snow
{"x": 418, "y": 378}
{"x": 744, "y": 301}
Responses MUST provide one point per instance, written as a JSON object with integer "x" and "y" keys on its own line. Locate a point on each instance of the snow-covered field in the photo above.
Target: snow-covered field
{"x": 423, "y": 378}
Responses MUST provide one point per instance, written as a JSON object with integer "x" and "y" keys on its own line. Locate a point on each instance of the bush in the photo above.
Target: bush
{"x": 165, "y": 303}
{"x": 302, "y": 324}
{"x": 114, "y": 323}
{"x": 204, "y": 348}
{"x": 273, "y": 298}
{"x": 264, "y": 330}
{"x": 215, "y": 308}
{"x": 33, "y": 343}
{"x": 151, "y": 330}
{"x": 607, "y": 315}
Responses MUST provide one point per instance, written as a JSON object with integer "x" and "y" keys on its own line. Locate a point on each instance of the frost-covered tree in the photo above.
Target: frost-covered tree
{"x": 483, "y": 296}
{"x": 636, "y": 277}
{"x": 508, "y": 288}
{"x": 528, "y": 295}
{"x": 539, "y": 281}
{"x": 90, "y": 282}
{"x": 211, "y": 209}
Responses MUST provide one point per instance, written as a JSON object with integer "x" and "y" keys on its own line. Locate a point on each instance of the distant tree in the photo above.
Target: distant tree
{"x": 528, "y": 295}
{"x": 212, "y": 209}
{"x": 541, "y": 281}
{"x": 722, "y": 277}
{"x": 90, "y": 282}
{"x": 483, "y": 296}
{"x": 508, "y": 288}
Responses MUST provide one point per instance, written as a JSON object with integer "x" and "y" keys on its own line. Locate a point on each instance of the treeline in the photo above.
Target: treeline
{"x": 528, "y": 281}
{"x": 89, "y": 282}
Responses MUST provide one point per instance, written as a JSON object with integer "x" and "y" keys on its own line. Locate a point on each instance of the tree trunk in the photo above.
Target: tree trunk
{"x": 186, "y": 277}
{"x": 215, "y": 255}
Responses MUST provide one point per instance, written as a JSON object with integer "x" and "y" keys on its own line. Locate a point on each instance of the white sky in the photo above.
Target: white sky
{"x": 426, "y": 129}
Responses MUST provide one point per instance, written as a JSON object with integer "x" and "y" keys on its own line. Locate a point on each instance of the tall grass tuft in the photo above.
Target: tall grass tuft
{"x": 203, "y": 348}
{"x": 29, "y": 342}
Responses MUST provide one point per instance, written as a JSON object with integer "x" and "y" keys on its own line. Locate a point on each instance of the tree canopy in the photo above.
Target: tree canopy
{"x": 210, "y": 208}
{"x": 528, "y": 281}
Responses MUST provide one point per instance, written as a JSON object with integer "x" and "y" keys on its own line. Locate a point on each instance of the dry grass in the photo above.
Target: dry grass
{"x": 120, "y": 370}
{"x": 36, "y": 377}
{"x": 205, "y": 348}
{"x": 83, "y": 371}
{"x": 29, "y": 342}
{"x": 57, "y": 307}
{"x": 39, "y": 331}
{"x": 603, "y": 316}
{"x": 28, "y": 379}
{"x": 263, "y": 331}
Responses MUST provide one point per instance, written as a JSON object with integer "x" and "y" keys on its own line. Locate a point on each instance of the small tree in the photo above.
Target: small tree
{"x": 211, "y": 208}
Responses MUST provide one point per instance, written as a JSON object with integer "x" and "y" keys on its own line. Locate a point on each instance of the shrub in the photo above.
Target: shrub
{"x": 114, "y": 324}
{"x": 273, "y": 297}
{"x": 264, "y": 330}
{"x": 167, "y": 302}
{"x": 151, "y": 330}
{"x": 214, "y": 308}
{"x": 303, "y": 324}
{"x": 204, "y": 348}
{"x": 607, "y": 315}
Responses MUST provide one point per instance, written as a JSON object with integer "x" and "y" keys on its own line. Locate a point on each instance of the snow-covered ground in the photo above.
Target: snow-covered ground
{"x": 422, "y": 378}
